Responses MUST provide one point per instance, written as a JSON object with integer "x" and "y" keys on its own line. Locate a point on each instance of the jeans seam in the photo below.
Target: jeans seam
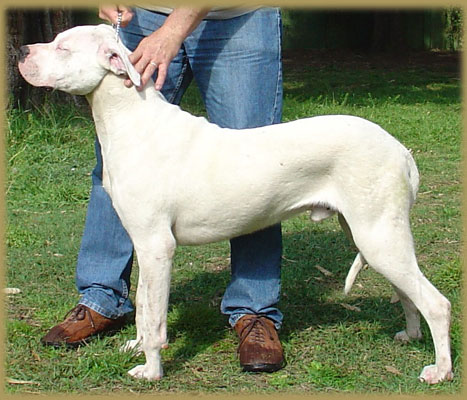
{"x": 124, "y": 295}
{"x": 279, "y": 72}
{"x": 179, "y": 80}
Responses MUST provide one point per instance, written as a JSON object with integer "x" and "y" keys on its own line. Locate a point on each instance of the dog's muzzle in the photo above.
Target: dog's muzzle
{"x": 24, "y": 51}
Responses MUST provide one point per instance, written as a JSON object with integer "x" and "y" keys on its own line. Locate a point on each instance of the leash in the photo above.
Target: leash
{"x": 117, "y": 26}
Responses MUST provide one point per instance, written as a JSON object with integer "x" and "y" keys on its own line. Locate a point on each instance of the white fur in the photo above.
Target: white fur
{"x": 178, "y": 179}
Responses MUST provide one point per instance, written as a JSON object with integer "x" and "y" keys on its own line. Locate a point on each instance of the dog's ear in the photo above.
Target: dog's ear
{"x": 115, "y": 58}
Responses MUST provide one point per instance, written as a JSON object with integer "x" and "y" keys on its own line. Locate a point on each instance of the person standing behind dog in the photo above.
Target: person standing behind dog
{"x": 235, "y": 57}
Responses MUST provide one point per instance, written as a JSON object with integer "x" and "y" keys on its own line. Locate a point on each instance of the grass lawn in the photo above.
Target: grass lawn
{"x": 333, "y": 343}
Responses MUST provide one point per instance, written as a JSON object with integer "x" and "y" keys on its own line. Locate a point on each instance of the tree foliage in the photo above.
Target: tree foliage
{"x": 454, "y": 28}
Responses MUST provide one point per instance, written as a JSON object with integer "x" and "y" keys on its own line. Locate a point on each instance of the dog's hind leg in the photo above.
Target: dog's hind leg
{"x": 388, "y": 247}
{"x": 345, "y": 227}
{"x": 155, "y": 262}
{"x": 412, "y": 318}
{"x": 359, "y": 261}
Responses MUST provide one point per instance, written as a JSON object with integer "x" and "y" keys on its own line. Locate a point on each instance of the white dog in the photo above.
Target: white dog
{"x": 178, "y": 179}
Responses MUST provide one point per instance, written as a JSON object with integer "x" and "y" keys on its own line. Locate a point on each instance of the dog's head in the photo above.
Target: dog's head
{"x": 77, "y": 60}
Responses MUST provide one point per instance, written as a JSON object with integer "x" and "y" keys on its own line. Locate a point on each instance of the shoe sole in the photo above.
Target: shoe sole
{"x": 59, "y": 345}
{"x": 261, "y": 368}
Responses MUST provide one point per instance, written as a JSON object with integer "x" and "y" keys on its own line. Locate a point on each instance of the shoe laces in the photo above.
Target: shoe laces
{"x": 79, "y": 313}
{"x": 254, "y": 329}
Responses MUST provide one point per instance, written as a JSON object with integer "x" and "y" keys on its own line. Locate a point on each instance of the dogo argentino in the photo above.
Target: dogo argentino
{"x": 178, "y": 179}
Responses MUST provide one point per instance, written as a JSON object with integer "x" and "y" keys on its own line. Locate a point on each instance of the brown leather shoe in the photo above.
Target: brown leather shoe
{"x": 81, "y": 323}
{"x": 260, "y": 349}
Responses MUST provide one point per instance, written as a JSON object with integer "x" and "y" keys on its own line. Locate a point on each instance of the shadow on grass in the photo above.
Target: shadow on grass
{"x": 376, "y": 86}
{"x": 305, "y": 296}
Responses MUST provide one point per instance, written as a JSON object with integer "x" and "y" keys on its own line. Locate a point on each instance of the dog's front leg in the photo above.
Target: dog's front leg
{"x": 155, "y": 262}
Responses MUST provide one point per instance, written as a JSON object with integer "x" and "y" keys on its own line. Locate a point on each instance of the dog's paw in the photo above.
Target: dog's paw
{"x": 404, "y": 337}
{"x": 431, "y": 374}
{"x": 144, "y": 372}
{"x": 133, "y": 346}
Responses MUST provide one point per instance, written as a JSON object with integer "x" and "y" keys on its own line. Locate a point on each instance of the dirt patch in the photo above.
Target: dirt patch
{"x": 296, "y": 61}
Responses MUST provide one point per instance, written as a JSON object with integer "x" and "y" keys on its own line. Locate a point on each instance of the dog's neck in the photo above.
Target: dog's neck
{"x": 113, "y": 94}
{"x": 113, "y": 103}
{"x": 118, "y": 111}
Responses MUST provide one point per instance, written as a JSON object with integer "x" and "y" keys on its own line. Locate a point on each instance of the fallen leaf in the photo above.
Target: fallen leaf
{"x": 394, "y": 298}
{"x": 36, "y": 356}
{"x": 20, "y": 382}
{"x": 11, "y": 290}
{"x": 392, "y": 370}
{"x": 324, "y": 271}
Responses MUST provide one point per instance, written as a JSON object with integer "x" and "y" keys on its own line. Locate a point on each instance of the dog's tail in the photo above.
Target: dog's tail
{"x": 356, "y": 267}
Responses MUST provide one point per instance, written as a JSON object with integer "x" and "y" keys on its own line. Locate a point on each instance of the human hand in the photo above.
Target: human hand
{"x": 155, "y": 52}
{"x": 110, "y": 13}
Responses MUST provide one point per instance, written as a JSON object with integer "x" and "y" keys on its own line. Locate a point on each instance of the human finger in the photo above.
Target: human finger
{"x": 161, "y": 76}
{"x": 148, "y": 72}
{"x": 127, "y": 15}
{"x": 109, "y": 13}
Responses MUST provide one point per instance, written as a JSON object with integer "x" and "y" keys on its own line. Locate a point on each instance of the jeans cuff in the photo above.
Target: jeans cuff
{"x": 233, "y": 319}
{"x": 107, "y": 312}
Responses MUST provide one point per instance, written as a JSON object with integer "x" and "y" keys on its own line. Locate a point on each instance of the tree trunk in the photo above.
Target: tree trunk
{"x": 26, "y": 27}
{"x": 388, "y": 32}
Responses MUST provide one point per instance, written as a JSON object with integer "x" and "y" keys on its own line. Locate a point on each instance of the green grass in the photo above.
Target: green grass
{"x": 329, "y": 346}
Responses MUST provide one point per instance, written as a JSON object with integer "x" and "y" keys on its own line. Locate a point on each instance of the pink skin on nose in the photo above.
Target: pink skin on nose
{"x": 29, "y": 69}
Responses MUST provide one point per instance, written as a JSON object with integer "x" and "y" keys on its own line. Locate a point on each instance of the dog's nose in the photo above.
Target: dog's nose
{"x": 23, "y": 52}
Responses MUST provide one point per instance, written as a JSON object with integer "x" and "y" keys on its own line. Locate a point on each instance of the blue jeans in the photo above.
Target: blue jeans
{"x": 237, "y": 66}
